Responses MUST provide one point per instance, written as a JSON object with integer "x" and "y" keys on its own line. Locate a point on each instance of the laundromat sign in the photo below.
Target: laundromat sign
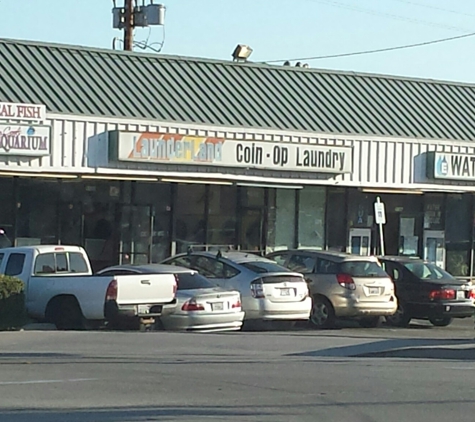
{"x": 452, "y": 166}
{"x": 184, "y": 149}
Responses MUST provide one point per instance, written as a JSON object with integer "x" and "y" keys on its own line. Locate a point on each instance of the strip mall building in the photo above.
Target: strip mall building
{"x": 137, "y": 156}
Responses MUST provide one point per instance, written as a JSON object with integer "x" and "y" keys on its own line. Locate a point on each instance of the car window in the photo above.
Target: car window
{"x": 280, "y": 258}
{"x": 391, "y": 270}
{"x": 77, "y": 263}
{"x": 1, "y": 258}
{"x": 188, "y": 281}
{"x": 263, "y": 267}
{"x": 363, "y": 269}
{"x": 427, "y": 271}
{"x": 45, "y": 264}
{"x": 61, "y": 263}
{"x": 325, "y": 266}
{"x": 181, "y": 261}
{"x": 15, "y": 264}
{"x": 301, "y": 263}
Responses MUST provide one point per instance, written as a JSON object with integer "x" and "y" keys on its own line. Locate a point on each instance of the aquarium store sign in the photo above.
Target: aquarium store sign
{"x": 452, "y": 166}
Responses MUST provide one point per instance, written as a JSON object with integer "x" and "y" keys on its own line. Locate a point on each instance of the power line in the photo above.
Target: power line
{"x": 379, "y": 50}
{"x": 441, "y": 9}
{"x": 388, "y": 15}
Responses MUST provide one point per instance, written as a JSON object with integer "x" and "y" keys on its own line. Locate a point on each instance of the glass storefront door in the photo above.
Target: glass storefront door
{"x": 434, "y": 247}
{"x": 136, "y": 222}
{"x": 360, "y": 242}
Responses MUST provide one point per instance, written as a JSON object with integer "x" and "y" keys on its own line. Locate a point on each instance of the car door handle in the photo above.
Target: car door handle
{"x": 147, "y": 282}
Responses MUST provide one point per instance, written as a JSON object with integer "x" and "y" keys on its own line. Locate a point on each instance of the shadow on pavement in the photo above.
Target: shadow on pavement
{"x": 423, "y": 348}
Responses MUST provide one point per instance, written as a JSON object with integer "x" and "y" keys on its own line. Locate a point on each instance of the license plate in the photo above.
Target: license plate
{"x": 218, "y": 306}
{"x": 373, "y": 291}
{"x": 143, "y": 309}
{"x": 460, "y": 294}
{"x": 285, "y": 292}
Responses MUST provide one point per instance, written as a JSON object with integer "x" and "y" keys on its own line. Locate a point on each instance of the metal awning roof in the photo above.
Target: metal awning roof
{"x": 94, "y": 82}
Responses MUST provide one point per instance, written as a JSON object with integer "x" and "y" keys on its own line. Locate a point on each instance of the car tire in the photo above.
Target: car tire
{"x": 67, "y": 315}
{"x": 400, "y": 319}
{"x": 370, "y": 322}
{"x": 322, "y": 314}
{"x": 440, "y": 322}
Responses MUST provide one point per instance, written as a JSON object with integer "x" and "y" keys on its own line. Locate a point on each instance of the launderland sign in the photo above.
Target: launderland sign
{"x": 453, "y": 166}
{"x": 184, "y": 149}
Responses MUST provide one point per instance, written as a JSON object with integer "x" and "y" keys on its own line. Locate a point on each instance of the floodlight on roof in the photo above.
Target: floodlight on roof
{"x": 241, "y": 52}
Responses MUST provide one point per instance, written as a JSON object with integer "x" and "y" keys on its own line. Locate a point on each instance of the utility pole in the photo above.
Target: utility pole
{"x": 129, "y": 25}
{"x": 130, "y": 16}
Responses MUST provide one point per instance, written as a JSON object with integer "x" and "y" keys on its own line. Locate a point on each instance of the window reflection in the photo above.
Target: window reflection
{"x": 222, "y": 215}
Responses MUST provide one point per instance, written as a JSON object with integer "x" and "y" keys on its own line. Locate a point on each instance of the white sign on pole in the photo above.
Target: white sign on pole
{"x": 379, "y": 213}
{"x": 380, "y": 219}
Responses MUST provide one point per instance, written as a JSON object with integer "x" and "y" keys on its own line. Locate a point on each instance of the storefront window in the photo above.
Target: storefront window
{"x": 252, "y": 203}
{"x": 222, "y": 210}
{"x": 189, "y": 216}
{"x": 281, "y": 219}
{"x": 336, "y": 220}
{"x": 37, "y": 208}
{"x": 7, "y": 211}
{"x": 153, "y": 202}
{"x": 311, "y": 233}
{"x": 457, "y": 234}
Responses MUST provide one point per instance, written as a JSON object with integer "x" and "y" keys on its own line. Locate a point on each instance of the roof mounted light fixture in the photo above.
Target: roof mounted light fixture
{"x": 241, "y": 53}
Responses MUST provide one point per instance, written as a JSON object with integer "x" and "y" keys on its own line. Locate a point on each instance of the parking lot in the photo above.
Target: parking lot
{"x": 419, "y": 373}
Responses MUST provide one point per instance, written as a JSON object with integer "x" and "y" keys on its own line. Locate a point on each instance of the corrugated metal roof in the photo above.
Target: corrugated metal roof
{"x": 93, "y": 82}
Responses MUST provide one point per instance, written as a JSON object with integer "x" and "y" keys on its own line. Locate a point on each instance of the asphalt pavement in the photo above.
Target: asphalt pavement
{"x": 421, "y": 373}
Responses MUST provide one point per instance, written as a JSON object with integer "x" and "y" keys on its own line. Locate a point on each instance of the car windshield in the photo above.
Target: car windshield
{"x": 428, "y": 271}
{"x": 363, "y": 269}
{"x": 187, "y": 281}
{"x": 264, "y": 267}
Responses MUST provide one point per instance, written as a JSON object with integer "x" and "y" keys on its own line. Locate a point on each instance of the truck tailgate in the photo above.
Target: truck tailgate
{"x": 145, "y": 289}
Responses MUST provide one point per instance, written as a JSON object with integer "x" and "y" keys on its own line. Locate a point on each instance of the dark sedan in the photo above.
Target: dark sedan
{"x": 425, "y": 291}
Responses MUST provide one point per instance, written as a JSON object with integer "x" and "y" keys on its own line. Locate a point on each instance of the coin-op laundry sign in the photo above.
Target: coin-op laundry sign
{"x": 184, "y": 149}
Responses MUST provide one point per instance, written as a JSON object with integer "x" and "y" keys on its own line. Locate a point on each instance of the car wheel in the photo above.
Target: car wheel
{"x": 322, "y": 314}
{"x": 400, "y": 319}
{"x": 370, "y": 322}
{"x": 68, "y": 315}
{"x": 440, "y": 322}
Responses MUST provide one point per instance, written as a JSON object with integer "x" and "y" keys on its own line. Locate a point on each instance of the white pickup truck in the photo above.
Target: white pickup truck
{"x": 60, "y": 288}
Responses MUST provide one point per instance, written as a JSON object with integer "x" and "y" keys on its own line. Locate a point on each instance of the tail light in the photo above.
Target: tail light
{"x": 257, "y": 289}
{"x": 191, "y": 305}
{"x": 236, "y": 304}
{"x": 443, "y": 294}
{"x": 345, "y": 280}
{"x": 111, "y": 292}
{"x": 471, "y": 294}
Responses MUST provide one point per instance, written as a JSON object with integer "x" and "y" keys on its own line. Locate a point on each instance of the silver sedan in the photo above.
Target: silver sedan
{"x": 201, "y": 305}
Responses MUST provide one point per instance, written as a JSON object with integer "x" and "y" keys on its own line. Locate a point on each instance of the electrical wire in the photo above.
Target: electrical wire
{"x": 379, "y": 50}
{"x": 389, "y": 15}
{"x": 441, "y": 9}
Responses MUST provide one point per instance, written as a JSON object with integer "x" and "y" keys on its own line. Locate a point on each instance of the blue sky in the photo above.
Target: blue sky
{"x": 275, "y": 29}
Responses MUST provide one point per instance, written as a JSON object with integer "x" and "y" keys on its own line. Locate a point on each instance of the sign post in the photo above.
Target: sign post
{"x": 380, "y": 219}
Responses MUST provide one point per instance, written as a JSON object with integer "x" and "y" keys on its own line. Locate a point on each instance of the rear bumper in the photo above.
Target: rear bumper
{"x": 264, "y": 309}
{"x": 113, "y": 311}
{"x": 349, "y": 307}
{"x": 205, "y": 322}
{"x": 464, "y": 309}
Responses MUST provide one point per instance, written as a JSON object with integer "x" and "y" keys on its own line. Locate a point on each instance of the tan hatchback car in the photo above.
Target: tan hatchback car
{"x": 342, "y": 285}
